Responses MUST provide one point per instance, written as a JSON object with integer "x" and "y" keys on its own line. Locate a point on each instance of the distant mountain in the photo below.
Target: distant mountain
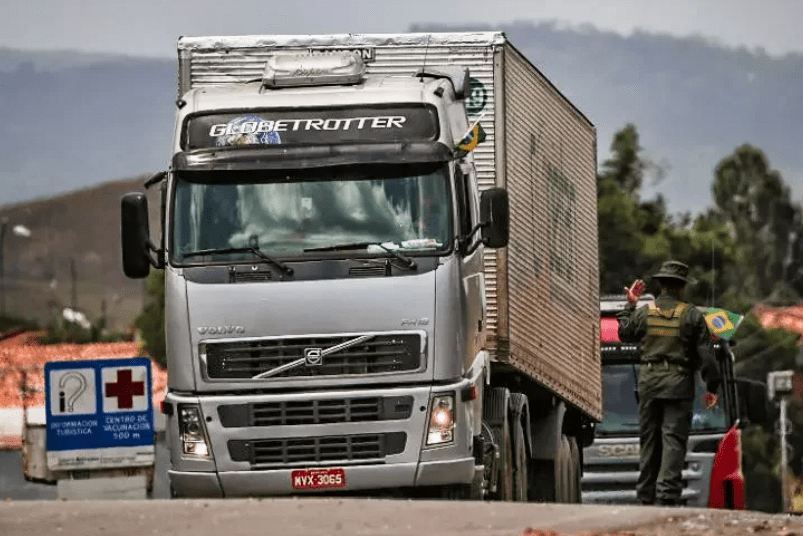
{"x": 71, "y": 120}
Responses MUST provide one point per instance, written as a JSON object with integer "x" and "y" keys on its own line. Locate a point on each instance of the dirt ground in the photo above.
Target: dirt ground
{"x": 704, "y": 523}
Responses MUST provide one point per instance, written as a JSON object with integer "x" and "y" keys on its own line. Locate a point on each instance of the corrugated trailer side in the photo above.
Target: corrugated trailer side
{"x": 548, "y": 275}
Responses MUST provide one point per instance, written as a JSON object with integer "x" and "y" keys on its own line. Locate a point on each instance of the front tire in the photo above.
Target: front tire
{"x": 496, "y": 415}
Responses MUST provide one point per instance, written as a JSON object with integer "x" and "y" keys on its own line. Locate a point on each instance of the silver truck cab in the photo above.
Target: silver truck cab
{"x": 323, "y": 280}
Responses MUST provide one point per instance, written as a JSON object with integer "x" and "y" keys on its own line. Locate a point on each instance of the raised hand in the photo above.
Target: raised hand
{"x": 635, "y": 290}
{"x": 710, "y": 400}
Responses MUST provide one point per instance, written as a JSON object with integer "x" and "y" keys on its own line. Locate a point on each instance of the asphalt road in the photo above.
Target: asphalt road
{"x": 13, "y": 485}
{"x": 357, "y": 517}
{"x": 30, "y": 508}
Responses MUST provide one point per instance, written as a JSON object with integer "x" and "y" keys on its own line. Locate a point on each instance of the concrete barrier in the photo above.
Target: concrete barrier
{"x": 34, "y": 447}
{"x": 10, "y": 428}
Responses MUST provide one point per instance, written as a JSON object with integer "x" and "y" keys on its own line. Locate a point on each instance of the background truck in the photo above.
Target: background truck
{"x": 712, "y": 474}
{"x": 345, "y": 311}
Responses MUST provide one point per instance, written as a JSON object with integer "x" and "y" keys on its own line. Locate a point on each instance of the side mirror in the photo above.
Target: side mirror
{"x": 753, "y": 402}
{"x": 135, "y": 235}
{"x": 462, "y": 88}
{"x": 495, "y": 217}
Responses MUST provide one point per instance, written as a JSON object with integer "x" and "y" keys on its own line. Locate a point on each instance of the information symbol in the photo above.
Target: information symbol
{"x": 72, "y": 391}
{"x": 76, "y": 389}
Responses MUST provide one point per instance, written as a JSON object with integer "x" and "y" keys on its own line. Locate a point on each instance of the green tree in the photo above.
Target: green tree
{"x": 630, "y": 243}
{"x": 765, "y": 223}
{"x": 626, "y": 167}
{"x": 151, "y": 322}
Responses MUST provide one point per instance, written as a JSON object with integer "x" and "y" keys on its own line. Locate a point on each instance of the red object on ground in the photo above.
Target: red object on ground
{"x": 727, "y": 479}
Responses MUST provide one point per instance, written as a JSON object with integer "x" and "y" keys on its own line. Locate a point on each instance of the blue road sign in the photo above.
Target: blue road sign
{"x": 99, "y": 404}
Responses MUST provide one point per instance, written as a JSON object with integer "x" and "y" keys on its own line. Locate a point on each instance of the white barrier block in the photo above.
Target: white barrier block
{"x": 10, "y": 428}
{"x": 112, "y": 488}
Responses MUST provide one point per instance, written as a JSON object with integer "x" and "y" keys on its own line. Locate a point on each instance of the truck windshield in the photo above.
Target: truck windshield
{"x": 620, "y": 410}
{"x": 403, "y": 207}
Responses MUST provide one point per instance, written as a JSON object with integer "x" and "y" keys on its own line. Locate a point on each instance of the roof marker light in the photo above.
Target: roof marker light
{"x": 289, "y": 70}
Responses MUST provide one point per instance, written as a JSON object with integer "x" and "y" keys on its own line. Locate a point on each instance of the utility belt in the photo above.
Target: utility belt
{"x": 666, "y": 364}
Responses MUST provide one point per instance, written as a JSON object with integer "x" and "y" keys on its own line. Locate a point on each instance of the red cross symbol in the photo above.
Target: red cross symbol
{"x": 124, "y": 389}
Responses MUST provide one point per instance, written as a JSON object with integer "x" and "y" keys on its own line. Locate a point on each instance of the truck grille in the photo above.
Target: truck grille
{"x": 267, "y": 453}
{"x": 305, "y": 412}
{"x": 378, "y": 354}
{"x": 610, "y": 477}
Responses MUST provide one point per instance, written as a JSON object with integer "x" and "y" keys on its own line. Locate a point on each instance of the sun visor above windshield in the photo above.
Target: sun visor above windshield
{"x": 316, "y": 156}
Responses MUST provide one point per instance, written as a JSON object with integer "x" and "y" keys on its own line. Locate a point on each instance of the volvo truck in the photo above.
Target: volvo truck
{"x": 712, "y": 473}
{"x": 368, "y": 244}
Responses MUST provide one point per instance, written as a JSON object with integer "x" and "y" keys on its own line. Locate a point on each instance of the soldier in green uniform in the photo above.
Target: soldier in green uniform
{"x": 674, "y": 343}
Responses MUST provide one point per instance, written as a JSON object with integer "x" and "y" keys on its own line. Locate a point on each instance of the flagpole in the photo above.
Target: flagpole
{"x": 713, "y": 275}
{"x": 474, "y": 124}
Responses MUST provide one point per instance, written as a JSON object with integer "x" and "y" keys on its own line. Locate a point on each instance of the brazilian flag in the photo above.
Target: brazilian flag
{"x": 473, "y": 137}
{"x": 722, "y": 323}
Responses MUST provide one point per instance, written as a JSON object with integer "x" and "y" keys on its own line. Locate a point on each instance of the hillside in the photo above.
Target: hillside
{"x": 82, "y": 229}
{"x": 73, "y": 120}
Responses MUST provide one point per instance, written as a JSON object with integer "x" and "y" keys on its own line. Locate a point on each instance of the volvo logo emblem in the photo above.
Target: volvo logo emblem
{"x": 221, "y": 330}
{"x": 312, "y": 357}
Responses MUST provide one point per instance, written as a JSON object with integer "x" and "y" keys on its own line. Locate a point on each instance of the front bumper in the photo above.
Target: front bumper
{"x": 231, "y": 474}
{"x": 358, "y": 477}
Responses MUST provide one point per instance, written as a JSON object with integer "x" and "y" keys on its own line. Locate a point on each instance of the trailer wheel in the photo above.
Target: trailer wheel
{"x": 503, "y": 436}
{"x": 520, "y": 463}
{"x": 575, "y": 471}
{"x": 563, "y": 468}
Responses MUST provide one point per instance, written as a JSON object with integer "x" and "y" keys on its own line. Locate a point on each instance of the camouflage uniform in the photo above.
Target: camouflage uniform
{"x": 674, "y": 343}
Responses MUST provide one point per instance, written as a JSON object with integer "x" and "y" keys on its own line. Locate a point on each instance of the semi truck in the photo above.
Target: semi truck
{"x": 712, "y": 472}
{"x": 364, "y": 239}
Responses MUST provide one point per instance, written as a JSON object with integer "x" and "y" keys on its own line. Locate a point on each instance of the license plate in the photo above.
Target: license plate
{"x": 318, "y": 478}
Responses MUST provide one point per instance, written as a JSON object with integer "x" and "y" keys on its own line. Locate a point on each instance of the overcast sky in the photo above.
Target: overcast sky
{"x": 151, "y": 27}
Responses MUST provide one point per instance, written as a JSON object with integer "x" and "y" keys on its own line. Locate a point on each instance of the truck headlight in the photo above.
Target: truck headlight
{"x": 192, "y": 433}
{"x": 441, "y": 420}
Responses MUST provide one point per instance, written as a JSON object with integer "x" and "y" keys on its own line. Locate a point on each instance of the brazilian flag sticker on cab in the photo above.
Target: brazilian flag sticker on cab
{"x": 722, "y": 323}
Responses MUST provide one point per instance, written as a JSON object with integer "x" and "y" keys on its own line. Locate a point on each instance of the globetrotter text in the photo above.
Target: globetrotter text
{"x": 290, "y": 125}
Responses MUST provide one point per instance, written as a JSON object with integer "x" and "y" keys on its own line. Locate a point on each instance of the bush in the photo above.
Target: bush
{"x": 151, "y": 322}
{"x": 68, "y": 332}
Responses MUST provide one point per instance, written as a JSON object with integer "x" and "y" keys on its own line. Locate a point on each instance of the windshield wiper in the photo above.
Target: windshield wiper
{"x": 409, "y": 262}
{"x": 255, "y": 250}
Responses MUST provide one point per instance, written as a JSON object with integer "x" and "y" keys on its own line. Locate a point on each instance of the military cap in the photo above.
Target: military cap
{"x": 673, "y": 270}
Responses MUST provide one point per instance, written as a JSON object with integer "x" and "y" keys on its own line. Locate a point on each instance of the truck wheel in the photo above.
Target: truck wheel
{"x": 504, "y": 440}
{"x": 563, "y": 469}
{"x": 520, "y": 463}
{"x": 496, "y": 416}
{"x": 550, "y": 479}
{"x": 575, "y": 470}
